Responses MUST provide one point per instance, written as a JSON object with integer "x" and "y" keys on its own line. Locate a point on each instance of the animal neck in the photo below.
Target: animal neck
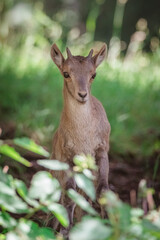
{"x": 75, "y": 111}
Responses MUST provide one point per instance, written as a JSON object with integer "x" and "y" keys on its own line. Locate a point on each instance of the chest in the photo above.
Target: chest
{"x": 82, "y": 137}
{"x": 81, "y": 130}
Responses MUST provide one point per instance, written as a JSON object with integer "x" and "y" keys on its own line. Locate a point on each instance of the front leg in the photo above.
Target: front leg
{"x": 70, "y": 206}
{"x": 68, "y": 203}
{"x": 103, "y": 164}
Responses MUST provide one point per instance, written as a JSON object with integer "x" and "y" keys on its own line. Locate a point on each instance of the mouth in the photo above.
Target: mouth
{"x": 82, "y": 101}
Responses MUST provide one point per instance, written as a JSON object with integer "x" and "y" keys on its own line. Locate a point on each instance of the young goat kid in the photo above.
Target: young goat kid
{"x": 84, "y": 127}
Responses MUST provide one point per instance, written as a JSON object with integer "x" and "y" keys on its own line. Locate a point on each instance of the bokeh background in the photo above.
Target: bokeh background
{"x": 127, "y": 83}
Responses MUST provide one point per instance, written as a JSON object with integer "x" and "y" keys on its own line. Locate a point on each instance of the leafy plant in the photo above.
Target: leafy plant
{"x": 43, "y": 195}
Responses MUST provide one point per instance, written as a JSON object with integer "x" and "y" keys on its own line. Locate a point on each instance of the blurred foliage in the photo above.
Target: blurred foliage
{"x": 24, "y": 143}
{"x": 42, "y": 22}
{"x": 43, "y": 195}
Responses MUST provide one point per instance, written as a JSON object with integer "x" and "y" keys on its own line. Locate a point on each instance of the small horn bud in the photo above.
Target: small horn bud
{"x": 90, "y": 54}
{"x": 69, "y": 54}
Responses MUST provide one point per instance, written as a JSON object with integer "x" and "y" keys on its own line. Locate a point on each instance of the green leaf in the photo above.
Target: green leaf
{"x": 149, "y": 226}
{"x": 23, "y": 192}
{"x": 90, "y": 229}
{"x": 137, "y": 212}
{"x": 112, "y": 200}
{"x": 6, "y": 220}
{"x": 31, "y": 146}
{"x": 12, "y": 236}
{"x": 135, "y": 230}
{"x": 86, "y": 185}
{"x": 12, "y": 203}
{"x": 6, "y": 178}
{"x": 21, "y": 188}
{"x": 45, "y": 187}
{"x": 30, "y": 230}
{"x": 119, "y": 213}
{"x": 88, "y": 174}
{"x": 46, "y": 234}
{"x": 60, "y": 213}
{"x": 8, "y": 197}
{"x": 125, "y": 216}
{"x": 81, "y": 201}
{"x": 11, "y": 152}
{"x": 6, "y": 189}
{"x": 53, "y": 164}
{"x": 27, "y": 228}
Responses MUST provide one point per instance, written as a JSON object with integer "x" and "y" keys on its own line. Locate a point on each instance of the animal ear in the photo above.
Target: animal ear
{"x": 99, "y": 57}
{"x": 57, "y": 56}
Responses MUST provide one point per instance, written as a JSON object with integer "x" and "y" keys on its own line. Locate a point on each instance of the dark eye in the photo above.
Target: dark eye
{"x": 94, "y": 75}
{"x": 66, "y": 75}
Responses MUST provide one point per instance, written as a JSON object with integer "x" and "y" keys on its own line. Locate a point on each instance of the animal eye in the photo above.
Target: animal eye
{"x": 94, "y": 75}
{"x": 66, "y": 75}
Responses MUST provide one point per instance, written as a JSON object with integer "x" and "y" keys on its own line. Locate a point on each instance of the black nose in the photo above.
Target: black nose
{"x": 82, "y": 95}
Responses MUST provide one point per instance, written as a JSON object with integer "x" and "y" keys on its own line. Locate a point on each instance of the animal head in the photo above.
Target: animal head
{"x": 78, "y": 71}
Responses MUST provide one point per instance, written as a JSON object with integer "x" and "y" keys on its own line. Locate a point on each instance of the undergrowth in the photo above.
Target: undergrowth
{"x": 19, "y": 204}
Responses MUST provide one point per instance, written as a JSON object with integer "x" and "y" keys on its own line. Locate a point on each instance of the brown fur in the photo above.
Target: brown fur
{"x": 84, "y": 127}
